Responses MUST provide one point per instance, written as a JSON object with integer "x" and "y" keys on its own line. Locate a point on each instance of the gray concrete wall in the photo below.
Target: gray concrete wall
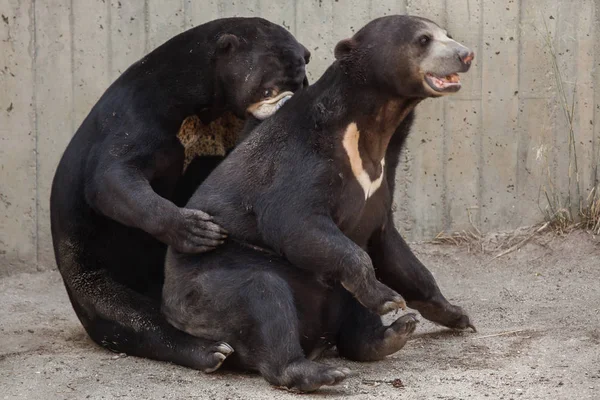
{"x": 481, "y": 156}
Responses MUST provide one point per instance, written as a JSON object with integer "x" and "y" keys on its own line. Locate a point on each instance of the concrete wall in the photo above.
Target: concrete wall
{"x": 485, "y": 152}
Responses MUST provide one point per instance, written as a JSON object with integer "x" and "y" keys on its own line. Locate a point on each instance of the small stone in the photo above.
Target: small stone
{"x": 397, "y": 383}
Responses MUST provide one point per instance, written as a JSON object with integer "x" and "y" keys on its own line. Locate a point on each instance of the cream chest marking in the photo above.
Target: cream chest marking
{"x": 350, "y": 143}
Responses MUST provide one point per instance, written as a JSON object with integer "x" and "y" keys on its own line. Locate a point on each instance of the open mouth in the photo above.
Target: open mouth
{"x": 448, "y": 83}
{"x": 265, "y": 108}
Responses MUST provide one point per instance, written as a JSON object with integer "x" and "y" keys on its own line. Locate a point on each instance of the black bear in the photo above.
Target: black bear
{"x": 312, "y": 255}
{"x": 111, "y": 210}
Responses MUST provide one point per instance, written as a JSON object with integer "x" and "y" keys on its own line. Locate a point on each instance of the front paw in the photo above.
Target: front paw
{"x": 443, "y": 313}
{"x": 193, "y": 231}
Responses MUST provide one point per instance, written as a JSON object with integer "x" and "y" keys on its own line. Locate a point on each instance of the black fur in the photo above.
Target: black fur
{"x": 298, "y": 272}
{"x": 111, "y": 209}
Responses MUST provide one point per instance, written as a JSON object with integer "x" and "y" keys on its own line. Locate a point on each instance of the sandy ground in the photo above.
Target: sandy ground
{"x": 548, "y": 292}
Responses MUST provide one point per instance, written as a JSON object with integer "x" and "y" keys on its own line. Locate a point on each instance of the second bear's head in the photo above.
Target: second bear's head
{"x": 259, "y": 66}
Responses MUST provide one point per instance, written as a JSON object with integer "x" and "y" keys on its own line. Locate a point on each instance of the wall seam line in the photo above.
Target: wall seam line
{"x": 72, "y": 38}
{"x": 445, "y": 105}
{"x": 36, "y": 128}
{"x": 481, "y": 160}
{"x": 146, "y": 27}
{"x": 187, "y": 18}
{"x": 295, "y": 17}
{"x": 109, "y": 64}
{"x": 596, "y": 140}
{"x": 518, "y": 165}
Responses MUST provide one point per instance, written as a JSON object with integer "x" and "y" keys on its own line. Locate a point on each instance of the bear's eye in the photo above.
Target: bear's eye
{"x": 424, "y": 40}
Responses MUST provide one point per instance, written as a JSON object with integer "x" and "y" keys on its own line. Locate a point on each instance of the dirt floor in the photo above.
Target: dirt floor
{"x": 537, "y": 311}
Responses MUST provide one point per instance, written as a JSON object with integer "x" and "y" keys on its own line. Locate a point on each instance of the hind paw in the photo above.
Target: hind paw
{"x": 217, "y": 355}
{"x": 397, "y": 334}
{"x": 308, "y": 376}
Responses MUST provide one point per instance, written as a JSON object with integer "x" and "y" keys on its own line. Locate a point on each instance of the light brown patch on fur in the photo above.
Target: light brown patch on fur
{"x": 350, "y": 143}
{"x": 213, "y": 139}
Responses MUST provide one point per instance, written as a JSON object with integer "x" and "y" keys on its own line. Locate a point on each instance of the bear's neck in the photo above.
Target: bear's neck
{"x": 376, "y": 129}
{"x": 365, "y": 117}
{"x": 368, "y": 130}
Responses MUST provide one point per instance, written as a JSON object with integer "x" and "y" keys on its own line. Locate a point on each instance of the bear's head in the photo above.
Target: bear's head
{"x": 413, "y": 56}
{"x": 259, "y": 66}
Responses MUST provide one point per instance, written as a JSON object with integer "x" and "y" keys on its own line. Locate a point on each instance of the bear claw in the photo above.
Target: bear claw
{"x": 219, "y": 353}
{"x": 395, "y": 304}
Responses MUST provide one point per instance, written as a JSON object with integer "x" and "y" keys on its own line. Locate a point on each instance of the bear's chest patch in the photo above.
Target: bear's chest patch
{"x": 214, "y": 139}
{"x": 350, "y": 143}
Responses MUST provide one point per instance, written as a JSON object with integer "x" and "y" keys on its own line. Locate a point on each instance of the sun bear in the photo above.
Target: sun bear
{"x": 313, "y": 258}
{"x": 112, "y": 201}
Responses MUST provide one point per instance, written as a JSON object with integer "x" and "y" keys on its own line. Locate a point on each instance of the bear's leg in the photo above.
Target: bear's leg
{"x": 125, "y": 321}
{"x": 272, "y": 346}
{"x": 363, "y": 337}
{"x": 254, "y": 311}
{"x": 399, "y": 268}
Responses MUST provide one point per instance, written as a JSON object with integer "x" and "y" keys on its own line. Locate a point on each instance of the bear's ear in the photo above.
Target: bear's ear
{"x": 343, "y": 48}
{"x": 227, "y": 43}
{"x": 306, "y": 55}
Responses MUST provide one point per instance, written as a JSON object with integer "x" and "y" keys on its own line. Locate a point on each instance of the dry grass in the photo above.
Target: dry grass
{"x": 562, "y": 220}
{"x": 590, "y": 215}
{"x": 499, "y": 244}
{"x": 503, "y": 243}
{"x": 562, "y": 212}
{"x": 468, "y": 239}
